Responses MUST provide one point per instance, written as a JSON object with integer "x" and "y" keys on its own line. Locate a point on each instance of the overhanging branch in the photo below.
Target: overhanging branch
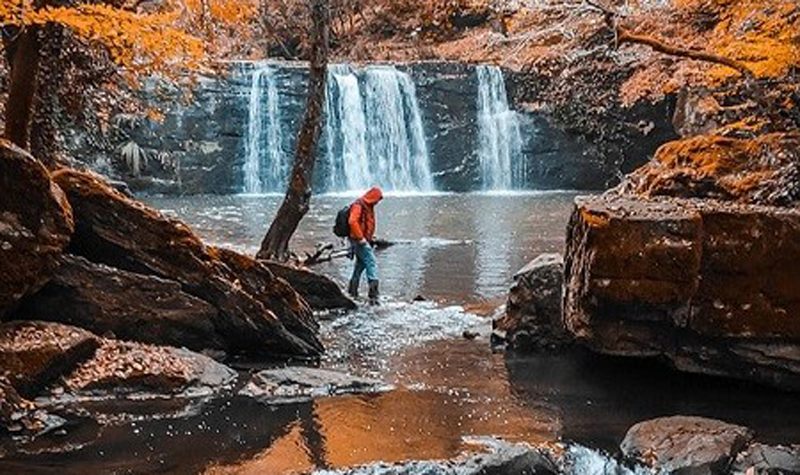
{"x": 623, "y": 35}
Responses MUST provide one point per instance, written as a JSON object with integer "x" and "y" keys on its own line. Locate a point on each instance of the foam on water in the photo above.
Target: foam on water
{"x": 377, "y": 333}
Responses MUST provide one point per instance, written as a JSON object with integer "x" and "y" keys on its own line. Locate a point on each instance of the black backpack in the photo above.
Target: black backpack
{"x": 342, "y": 226}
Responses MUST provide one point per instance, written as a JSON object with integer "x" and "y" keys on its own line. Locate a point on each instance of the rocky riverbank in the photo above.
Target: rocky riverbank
{"x": 104, "y": 297}
{"x": 691, "y": 259}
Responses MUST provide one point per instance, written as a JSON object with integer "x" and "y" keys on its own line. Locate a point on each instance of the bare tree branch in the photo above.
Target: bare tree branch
{"x": 623, "y": 35}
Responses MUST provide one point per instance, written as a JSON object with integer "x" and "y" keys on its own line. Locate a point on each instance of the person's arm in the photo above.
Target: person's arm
{"x": 354, "y": 220}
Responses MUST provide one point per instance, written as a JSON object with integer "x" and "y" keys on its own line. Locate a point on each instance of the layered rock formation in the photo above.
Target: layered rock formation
{"x": 123, "y": 368}
{"x": 75, "y": 250}
{"x": 712, "y": 286}
{"x": 163, "y": 255}
{"x": 35, "y": 225}
{"x": 125, "y": 304}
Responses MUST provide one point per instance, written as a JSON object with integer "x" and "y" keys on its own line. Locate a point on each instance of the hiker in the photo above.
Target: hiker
{"x": 362, "y": 231}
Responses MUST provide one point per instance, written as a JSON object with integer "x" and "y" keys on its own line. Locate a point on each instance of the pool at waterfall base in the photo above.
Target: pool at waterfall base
{"x": 450, "y": 269}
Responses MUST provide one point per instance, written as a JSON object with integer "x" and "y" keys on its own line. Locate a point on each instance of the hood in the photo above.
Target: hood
{"x": 372, "y": 196}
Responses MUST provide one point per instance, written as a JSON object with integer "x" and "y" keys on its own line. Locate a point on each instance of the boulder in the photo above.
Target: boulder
{"x": 35, "y": 225}
{"x": 533, "y": 312}
{"x": 762, "y": 458}
{"x": 114, "y": 230}
{"x": 33, "y": 355}
{"x": 321, "y": 292}
{"x": 127, "y": 305}
{"x": 120, "y": 368}
{"x": 685, "y": 445}
{"x": 300, "y": 382}
{"x": 257, "y": 280}
{"x": 710, "y": 285}
{"x": 761, "y": 170}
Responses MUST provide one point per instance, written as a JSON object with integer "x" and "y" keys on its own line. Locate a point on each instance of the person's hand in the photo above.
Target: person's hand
{"x": 362, "y": 242}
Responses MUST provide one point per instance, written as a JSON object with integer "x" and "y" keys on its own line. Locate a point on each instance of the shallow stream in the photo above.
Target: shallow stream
{"x": 459, "y": 252}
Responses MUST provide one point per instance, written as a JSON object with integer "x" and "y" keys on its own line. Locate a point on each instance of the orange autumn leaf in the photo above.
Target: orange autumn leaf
{"x": 139, "y": 42}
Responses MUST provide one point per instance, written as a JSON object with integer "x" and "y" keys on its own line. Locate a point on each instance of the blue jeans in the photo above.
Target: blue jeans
{"x": 365, "y": 261}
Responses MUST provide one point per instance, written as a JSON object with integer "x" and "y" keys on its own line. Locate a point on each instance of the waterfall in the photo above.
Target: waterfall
{"x": 499, "y": 138}
{"x": 374, "y": 132}
{"x": 345, "y": 131}
{"x": 266, "y": 166}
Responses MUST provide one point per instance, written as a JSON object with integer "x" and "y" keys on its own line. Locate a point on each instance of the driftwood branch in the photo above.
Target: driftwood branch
{"x": 328, "y": 252}
{"x": 623, "y": 35}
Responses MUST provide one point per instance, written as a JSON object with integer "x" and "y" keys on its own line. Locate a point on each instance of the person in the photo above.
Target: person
{"x": 362, "y": 232}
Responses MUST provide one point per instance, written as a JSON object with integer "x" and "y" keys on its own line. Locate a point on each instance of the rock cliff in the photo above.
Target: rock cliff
{"x": 711, "y": 286}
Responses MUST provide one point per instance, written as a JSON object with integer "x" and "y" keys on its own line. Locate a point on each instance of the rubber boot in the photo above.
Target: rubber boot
{"x": 373, "y": 292}
{"x": 352, "y": 288}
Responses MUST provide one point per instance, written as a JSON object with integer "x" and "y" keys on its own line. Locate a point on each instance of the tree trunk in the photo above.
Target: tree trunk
{"x": 45, "y": 138}
{"x": 22, "y": 52}
{"x": 298, "y": 194}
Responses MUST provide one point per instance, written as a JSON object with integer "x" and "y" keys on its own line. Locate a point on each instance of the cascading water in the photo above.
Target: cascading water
{"x": 500, "y": 141}
{"x": 266, "y": 166}
{"x": 395, "y": 136}
{"x": 374, "y": 131}
{"x": 345, "y": 131}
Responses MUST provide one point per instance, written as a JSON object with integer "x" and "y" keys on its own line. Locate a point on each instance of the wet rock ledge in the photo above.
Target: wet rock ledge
{"x": 134, "y": 273}
{"x": 711, "y": 286}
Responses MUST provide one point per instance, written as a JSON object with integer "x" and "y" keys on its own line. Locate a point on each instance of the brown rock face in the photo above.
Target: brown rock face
{"x": 35, "y": 225}
{"x": 319, "y": 291}
{"x": 686, "y": 445}
{"x": 122, "y": 233}
{"x": 533, "y": 318}
{"x": 713, "y": 286}
{"x": 763, "y": 170}
{"x": 130, "y": 306}
{"x": 35, "y": 354}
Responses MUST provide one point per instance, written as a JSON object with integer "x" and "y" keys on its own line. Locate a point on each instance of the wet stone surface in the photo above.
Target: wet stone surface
{"x": 298, "y": 383}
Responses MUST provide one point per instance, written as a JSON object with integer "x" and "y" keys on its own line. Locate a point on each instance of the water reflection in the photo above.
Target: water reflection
{"x": 392, "y": 427}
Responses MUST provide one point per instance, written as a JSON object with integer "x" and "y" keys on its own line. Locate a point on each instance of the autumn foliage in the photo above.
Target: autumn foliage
{"x": 138, "y": 42}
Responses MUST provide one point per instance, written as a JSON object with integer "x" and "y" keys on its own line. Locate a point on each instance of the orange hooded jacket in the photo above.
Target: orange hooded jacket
{"x": 362, "y": 215}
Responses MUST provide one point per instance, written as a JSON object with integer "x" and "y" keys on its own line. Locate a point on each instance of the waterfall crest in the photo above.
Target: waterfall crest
{"x": 374, "y": 132}
{"x": 266, "y": 165}
{"x": 499, "y": 138}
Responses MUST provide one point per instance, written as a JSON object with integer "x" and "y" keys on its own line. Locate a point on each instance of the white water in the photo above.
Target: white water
{"x": 374, "y": 132}
{"x": 345, "y": 131}
{"x": 500, "y": 141}
{"x": 266, "y": 166}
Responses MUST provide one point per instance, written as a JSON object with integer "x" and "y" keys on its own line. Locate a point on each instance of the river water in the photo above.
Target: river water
{"x": 459, "y": 252}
